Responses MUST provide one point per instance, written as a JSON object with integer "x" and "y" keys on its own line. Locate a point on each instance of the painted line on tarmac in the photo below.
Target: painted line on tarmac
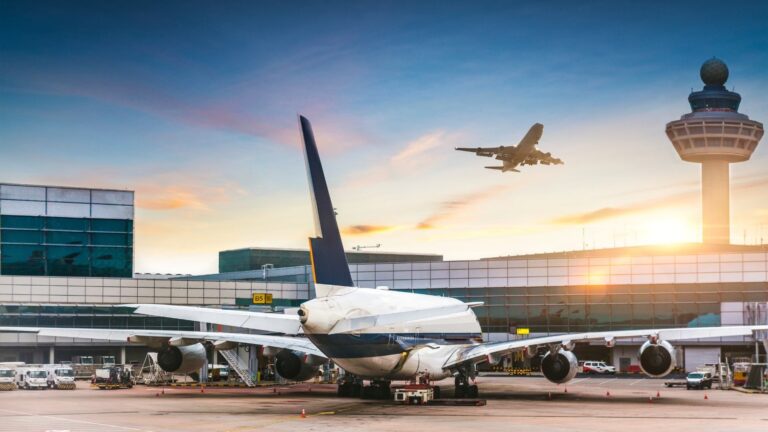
{"x": 578, "y": 381}
{"x": 606, "y": 381}
{"x": 71, "y": 420}
{"x": 637, "y": 381}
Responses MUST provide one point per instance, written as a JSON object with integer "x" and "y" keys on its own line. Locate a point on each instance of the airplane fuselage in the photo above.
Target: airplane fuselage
{"x": 389, "y": 352}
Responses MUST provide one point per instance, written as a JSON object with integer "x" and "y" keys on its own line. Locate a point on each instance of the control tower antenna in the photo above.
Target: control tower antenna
{"x": 715, "y": 135}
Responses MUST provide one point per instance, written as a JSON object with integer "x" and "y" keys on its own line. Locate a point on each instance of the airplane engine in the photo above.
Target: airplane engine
{"x": 296, "y": 366}
{"x": 182, "y": 359}
{"x": 657, "y": 359}
{"x": 561, "y": 367}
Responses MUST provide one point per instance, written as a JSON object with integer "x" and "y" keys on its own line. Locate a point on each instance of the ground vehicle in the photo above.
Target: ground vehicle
{"x": 60, "y": 377}
{"x": 31, "y": 378}
{"x": 113, "y": 377}
{"x": 7, "y": 379}
{"x": 596, "y": 367}
{"x": 699, "y": 380}
{"x": 218, "y": 372}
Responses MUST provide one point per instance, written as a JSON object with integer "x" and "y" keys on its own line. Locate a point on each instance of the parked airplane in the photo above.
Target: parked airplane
{"x": 376, "y": 334}
{"x": 525, "y": 153}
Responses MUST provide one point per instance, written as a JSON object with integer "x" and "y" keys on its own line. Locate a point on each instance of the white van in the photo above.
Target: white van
{"x": 7, "y": 379}
{"x": 32, "y": 378}
{"x": 60, "y": 377}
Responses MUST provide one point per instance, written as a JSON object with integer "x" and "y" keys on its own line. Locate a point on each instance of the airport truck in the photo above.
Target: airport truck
{"x": 60, "y": 377}
{"x": 113, "y": 377}
{"x": 7, "y": 379}
{"x": 30, "y": 378}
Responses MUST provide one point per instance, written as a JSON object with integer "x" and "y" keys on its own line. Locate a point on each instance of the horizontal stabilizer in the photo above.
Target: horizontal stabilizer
{"x": 370, "y": 321}
{"x": 270, "y": 322}
{"x": 501, "y": 168}
{"x": 172, "y": 337}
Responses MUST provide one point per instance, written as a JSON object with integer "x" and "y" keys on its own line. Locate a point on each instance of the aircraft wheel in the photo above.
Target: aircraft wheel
{"x": 472, "y": 391}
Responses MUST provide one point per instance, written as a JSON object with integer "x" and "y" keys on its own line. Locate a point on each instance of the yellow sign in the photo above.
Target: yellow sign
{"x": 523, "y": 330}
{"x": 262, "y": 298}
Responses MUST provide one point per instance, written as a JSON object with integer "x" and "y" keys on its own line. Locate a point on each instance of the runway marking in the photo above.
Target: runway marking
{"x": 72, "y": 420}
{"x": 578, "y": 381}
{"x": 637, "y": 381}
{"x": 608, "y": 380}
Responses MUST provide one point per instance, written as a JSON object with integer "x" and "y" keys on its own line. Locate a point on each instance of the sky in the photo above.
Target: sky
{"x": 194, "y": 106}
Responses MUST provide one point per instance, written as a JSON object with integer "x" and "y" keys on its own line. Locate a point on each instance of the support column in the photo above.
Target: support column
{"x": 51, "y": 354}
{"x": 203, "y": 327}
{"x": 122, "y": 356}
{"x": 715, "y": 202}
{"x": 253, "y": 362}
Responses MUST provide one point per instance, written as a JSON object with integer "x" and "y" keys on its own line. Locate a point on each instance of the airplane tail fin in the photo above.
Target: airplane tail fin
{"x": 326, "y": 251}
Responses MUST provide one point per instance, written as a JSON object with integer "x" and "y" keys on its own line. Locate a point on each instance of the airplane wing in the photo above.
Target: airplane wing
{"x": 171, "y": 337}
{"x": 268, "y": 322}
{"x": 481, "y": 352}
{"x": 539, "y": 157}
{"x": 487, "y": 151}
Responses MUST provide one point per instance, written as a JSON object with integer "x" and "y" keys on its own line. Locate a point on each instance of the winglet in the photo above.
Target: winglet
{"x": 329, "y": 263}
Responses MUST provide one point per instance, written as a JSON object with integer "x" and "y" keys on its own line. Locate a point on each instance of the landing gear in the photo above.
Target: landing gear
{"x": 463, "y": 388}
{"x": 353, "y": 387}
{"x": 377, "y": 390}
{"x": 350, "y": 387}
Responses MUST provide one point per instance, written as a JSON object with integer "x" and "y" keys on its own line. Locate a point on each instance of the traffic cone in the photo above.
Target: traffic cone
{"x": 157, "y": 394}
{"x": 705, "y": 396}
{"x": 566, "y": 390}
{"x": 549, "y": 395}
{"x": 202, "y": 389}
{"x": 303, "y": 413}
{"x": 274, "y": 389}
{"x": 163, "y": 391}
{"x": 608, "y": 393}
{"x": 658, "y": 394}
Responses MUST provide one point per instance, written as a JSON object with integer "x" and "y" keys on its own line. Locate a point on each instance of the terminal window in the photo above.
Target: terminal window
{"x": 58, "y": 246}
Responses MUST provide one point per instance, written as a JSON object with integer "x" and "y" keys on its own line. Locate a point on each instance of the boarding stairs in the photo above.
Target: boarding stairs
{"x": 237, "y": 365}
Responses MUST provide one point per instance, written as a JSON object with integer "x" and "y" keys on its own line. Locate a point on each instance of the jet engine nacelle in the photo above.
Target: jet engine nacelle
{"x": 296, "y": 366}
{"x": 560, "y": 367}
{"x": 182, "y": 359}
{"x": 657, "y": 359}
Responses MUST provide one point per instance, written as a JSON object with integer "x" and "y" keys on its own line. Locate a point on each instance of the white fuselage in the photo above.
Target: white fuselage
{"x": 394, "y": 351}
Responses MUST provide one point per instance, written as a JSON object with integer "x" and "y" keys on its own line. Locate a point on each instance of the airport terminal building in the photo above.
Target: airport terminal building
{"x": 612, "y": 289}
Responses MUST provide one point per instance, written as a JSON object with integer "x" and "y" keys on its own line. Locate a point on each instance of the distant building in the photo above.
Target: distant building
{"x": 63, "y": 231}
{"x": 247, "y": 259}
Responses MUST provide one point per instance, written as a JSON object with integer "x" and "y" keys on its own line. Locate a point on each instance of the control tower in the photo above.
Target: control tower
{"x": 715, "y": 134}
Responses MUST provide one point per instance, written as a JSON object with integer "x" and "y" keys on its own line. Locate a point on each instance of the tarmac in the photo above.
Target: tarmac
{"x": 513, "y": 403}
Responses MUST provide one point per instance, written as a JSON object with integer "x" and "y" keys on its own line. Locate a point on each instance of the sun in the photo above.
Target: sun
{"x": 668, "y": 230}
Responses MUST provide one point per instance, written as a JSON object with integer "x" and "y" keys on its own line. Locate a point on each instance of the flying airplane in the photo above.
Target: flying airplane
{"x": 524, "y": 153}
{"x": 378, "y": 335}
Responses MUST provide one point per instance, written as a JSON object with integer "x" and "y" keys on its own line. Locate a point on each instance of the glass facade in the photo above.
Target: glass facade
{"x": 63, "y": 246}
{"x": 79, "y": 316}
{"x": 589, "y": 308}
{"x": 556, "y": 295}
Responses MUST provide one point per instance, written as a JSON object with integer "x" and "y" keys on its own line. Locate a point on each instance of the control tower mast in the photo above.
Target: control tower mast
{"x": 715, "y": 135}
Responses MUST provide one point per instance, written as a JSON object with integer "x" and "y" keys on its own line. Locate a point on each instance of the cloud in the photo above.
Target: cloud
{"x": 167, "y": 191}
{"x": 670, "y": 200}
{"x": 418, "y": 147}
{"x": 353, "y": 230}
{"x": 451, "y": 208}
{"x": 243, "y": 112}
